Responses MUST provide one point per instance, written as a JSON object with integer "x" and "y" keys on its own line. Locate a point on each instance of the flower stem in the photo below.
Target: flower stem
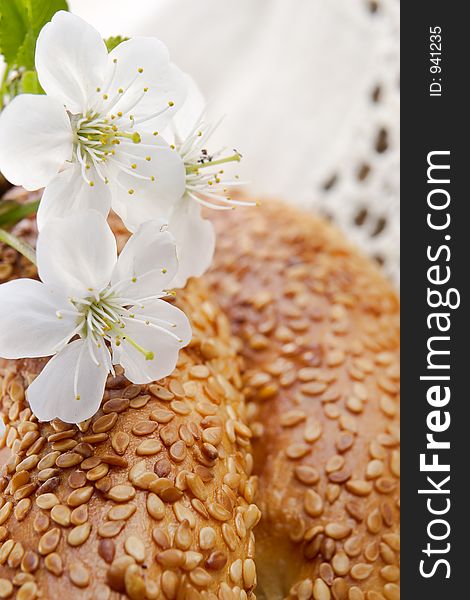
{"x": 3, "y": 88}
{"x": 20, "y": 246}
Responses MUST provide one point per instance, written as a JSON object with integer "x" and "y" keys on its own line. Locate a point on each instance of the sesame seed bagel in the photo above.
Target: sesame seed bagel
{"x": 152, "y": 498}
{"x": 318, "y": 328}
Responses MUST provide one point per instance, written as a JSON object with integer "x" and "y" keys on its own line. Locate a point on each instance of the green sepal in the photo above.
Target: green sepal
{"x": 30, "y": 83}
{"x": 114, "y": 41}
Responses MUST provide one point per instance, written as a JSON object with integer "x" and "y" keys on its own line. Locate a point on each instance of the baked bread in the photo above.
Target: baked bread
{"x": 318, "y": 328}
{"x": 151, "y": 498}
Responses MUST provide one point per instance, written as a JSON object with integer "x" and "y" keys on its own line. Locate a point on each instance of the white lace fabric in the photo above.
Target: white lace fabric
{"x": 310, "y": 93}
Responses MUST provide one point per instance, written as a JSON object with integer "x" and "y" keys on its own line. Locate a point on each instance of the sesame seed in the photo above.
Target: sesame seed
{"x": 335, "y": 463}
{"x": 107, "y": 550}
{"x": 200, "y": 577}
{"x": 121, "y": 493}
{"x": 207, "y": 538}
{"x": 148, "y": 448}
{"x": 230, "y": 537}
{"x": 320, "y": 590}
{"x": 117, "y": 405}
{"x": 5, "y": 512}
{"x": 297, "y": 450}
{"x": 22, "y": 509}
{"x": 313, "y": 503}
{"x": 61, "y": 515}
{"x": 116, "y": 572}
{"x": 79, "y": 575}
{"x": 79, "y": 515}
{"x": 144, "y": 428}
{"x": 121, "y": 512}
{"x": 49, "y": 541}
{"x": 6, "y": 588}
{"x": 292, "y": 418}
{"x": 161, "y": 393}
{"x": 120, "y": 442}
{"x": 359, "y": 487}
{"x": 172, "y": 558}
{"x": 80, "y": 496}
{"x": 135, "y": 548}
{"x": 110, "y": 529}
{"x": 47, "y": 501}
{"x": 361, "y": 571}
{"x": 104, "y": 423}
{"x": 391, "y": 591}
{"x": 371, "y": 551}
{"x": 79, "y": 535}
{"x": 134, "y": 583}
{"x": 155, "y": 506}
{"x": 28, "y": 591}
{"x": 337, "y": 531}
{"x": 183, "y": 536}
{"x": 216, "y": 560}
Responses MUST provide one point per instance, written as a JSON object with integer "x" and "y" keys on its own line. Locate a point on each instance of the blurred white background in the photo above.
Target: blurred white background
{"x": 310, "y": 93}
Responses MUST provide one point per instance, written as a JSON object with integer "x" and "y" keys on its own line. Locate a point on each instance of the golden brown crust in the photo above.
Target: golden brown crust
{"x": 318, "y": 329}
{"x": 152, "y": 498}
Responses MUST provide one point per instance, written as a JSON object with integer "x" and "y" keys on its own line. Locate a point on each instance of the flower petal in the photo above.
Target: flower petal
{"x": 77, "y": 254}
{"x": 71, "y": 60}
{"x": 147, "y": 263}
{"x": 71, "y": 373}
{"x": 137, "y": 200}
{"x": 68, "y": 193}
{"x": 168, "y": 330}
{"x": 187, "y": 117}
{"x": 139, "y": 64}
{"x": 35, "y": 140}
{"x": 31, "y": 322}
{"x": 195, "y": 241}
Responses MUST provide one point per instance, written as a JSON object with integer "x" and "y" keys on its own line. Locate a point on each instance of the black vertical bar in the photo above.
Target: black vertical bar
{"x": 435, "y": 123}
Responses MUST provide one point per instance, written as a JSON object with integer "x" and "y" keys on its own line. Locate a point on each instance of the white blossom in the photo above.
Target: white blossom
{"x": 93, "y": 140}
{"x": 92, "y": 310}
{"x": 206, "y": 185}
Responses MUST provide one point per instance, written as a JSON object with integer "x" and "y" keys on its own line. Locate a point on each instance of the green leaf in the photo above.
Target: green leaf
{"x": 11, "y": 211}
{"x": 42, "y": 11}
{"x": 13, "y": 28}
{"x": 114, "y": 41}
{"x": 30, "y": 83}
{"x": 20, "y": 24}
{"x": 25, "y": 55}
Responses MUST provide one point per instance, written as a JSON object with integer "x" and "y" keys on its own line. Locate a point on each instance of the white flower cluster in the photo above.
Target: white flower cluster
{"x": 122, "y": 130}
